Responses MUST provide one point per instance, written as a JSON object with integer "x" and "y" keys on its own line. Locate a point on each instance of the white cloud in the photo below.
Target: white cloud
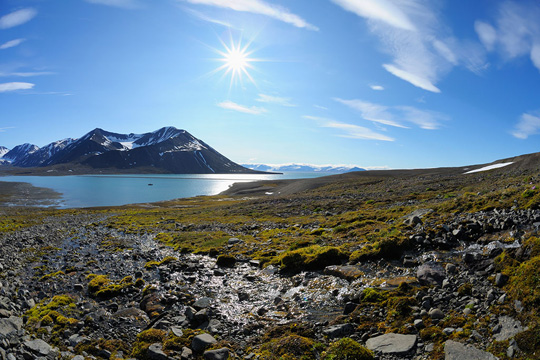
{"x": 11, "y": 43}
{"x": 349, "y": 130}
{"x": 377, "y": 87}
{"x": 528, "y": 125}
{"x": 126, "y": 4}
{"x": 12, "y": 86}
{"x": 516, "y": 31}
{"x": 357, "y": 132}
{"x": 411, "y": 31}
{"x": 229, "y": 105}
{"x": 382, "y": 10}
{"x": 259, "y": 7}
{"x": 486, "y": 33}
{"x": 320, "y": 107}
{"x": 417, "y": 80}
{"x": 396, "y": 115}
{"x": 6, "y": 128}
{"x": 17, "y": 18}
{"x": 372, "y": 112}
{"x": 275, "y": 100}
{"x": 26, "y": 74}
{"x": 199, "y": 15}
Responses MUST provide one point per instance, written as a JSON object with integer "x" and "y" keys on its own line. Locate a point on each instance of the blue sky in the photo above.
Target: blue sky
{"x": 373, "y": 83}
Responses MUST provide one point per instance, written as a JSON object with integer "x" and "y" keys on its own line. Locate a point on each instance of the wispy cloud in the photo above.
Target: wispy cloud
{"x": 6, "y": 128}
{"x": 372, "y": 112}
{"x": 229, "y": 105}
{"x": 377, "y": 87}
{"x": 13, "y": 86}
{"x": 357, "y": 132}
{"x": 17, "y": 18}
{"x": 396, "y": 115}
{"x": 259, "y": 7}
{"x": 320, "y": 107}
{"x": 421, "y": 46}
{"x": 11, "y": 43}
{"x": 275, "y": 100}
{"x": 26, "y": 74}
{"x": 516, "y": 31}
{"x": 126, "y": 4}
{"x": 528, "y": 125}
{"x": 349, "y": 130}
{"x": 199, "y": 15}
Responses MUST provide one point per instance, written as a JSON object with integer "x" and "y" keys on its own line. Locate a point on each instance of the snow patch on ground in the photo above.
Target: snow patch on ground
{"x": 489, "y": 167}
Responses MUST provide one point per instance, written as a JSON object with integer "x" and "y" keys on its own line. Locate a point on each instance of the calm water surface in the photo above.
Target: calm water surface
{"x": 113, "y": 190}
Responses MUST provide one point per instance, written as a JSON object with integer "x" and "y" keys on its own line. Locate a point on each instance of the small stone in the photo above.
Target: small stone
{"x": 419, "y": 324}
{"x": 435, "y": 313}
{"x": 501, "y": 280}
{"x": 177, "y": 331}
{"x": 349, "y": 308}
{"x": 502, "y": 299}
{"x": 448, "y": 330}
{"x": 338, "y": 331}
{"x": 234, "y": 240}
{"x": 155, "y": 352}
{"x": 38, "y": 346}
{"x": 518, "y": 306}
{"x": 186, "y": 353}
{"x": 202, "y": 303}
{"x": 467, "y": 311}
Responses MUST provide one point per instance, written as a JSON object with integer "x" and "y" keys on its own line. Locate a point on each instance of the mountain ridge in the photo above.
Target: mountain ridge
{"x": 166, "y": 150}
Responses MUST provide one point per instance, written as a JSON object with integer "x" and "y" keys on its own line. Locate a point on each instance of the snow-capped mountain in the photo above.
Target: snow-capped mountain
{"x": 303, "y": 168}
{"x": 3, "y": 151}
{"x": 19, "y": 152}
{"x": 165, "y": 150}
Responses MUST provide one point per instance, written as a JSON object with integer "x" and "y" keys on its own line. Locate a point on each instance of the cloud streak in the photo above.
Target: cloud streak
{"x": 17, "y": 18}
{"x": 259, "y": 7}
{"x": 125, "y": 4}
{"x": 269, "y": 99}
{"x": 528, "y": 125}
{"x": 253, "y": 110}
{"x": 421, "y": 47}
{"x": 13, "y": 86}
{"x": 350, "y": 131}
{"x": 395, "y": 115}
{"x": 11, "y": 43}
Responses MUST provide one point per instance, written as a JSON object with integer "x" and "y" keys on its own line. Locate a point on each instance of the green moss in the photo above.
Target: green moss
{"x": 144, "y": 340}
{"x": 102, "y": 287}
{"x": 524, "y": 283}
{"x": 347, "y": 349}
{"x": 166, "y": 260}
{"x": 226, "y": 260}
{"x": 371, "y": 295}
{"x": 390, "y": 247}
{"x": 289, "y": 347}
{"x": 465, "y": 289}
{"x": 52, "y": 275}
{"x": 311, "y": 258}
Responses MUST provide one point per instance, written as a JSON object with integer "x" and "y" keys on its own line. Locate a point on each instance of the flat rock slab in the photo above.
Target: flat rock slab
{"x": 10, "y": 326}
{"x": 38, "y": 346}
{"x": 392, "y": 343}
{"x": 454, "y": 350}
{"x": 347, "y": 272}
{"x": 507, "y": 328}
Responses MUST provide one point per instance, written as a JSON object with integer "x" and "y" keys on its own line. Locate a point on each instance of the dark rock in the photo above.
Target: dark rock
{"x": 155, "y": 352}
{"x": 219, "y": 354}
{"x": 347, "y": 272}
{"x": 349, "y": 308}
{"x": 201, "y": 342}
{"x": 430, "y": 273}
{"x": 202, "y": 303}
{"x": 338, "y": 331}
{"x": 501, "y": 279}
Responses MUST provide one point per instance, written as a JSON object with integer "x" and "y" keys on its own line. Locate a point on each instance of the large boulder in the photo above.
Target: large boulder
{"x": 201, "y": 342}
{"x": 392, "y": 343}
{"x": 431, "y": 273}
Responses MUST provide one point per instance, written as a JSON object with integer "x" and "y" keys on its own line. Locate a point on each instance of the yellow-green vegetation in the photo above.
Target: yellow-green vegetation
{"x": 166, "y": 260}
{"x": 290, "y": 347}
{"x": 347, "y": 349}
{"x": 313, "y": 257}
{"x": 102, "y": 287}
{"x": 144, "y": 340}
{"x": 58, "y": 312}
{"x": 96, "y": 347}
{"x": 52, "y": 275}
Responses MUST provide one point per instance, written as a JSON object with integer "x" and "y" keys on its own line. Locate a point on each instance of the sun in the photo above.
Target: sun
{"x": 237, "y": 61}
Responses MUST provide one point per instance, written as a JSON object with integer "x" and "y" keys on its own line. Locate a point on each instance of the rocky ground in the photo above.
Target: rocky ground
{"x": 456, "y": 285}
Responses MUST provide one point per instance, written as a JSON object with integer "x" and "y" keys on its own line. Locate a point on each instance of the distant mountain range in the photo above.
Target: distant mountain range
{"x": 167, "y": 150}
{"x": 303, "y": 168}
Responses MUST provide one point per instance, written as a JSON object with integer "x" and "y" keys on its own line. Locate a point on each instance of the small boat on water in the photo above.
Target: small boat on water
{"x": 150, "y": 184}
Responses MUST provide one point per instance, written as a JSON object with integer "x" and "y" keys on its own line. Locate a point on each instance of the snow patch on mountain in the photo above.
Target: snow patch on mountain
{"x": 304, "y": 168}
{"x": 3, "y": 151}
{"x": 490, "y": 167}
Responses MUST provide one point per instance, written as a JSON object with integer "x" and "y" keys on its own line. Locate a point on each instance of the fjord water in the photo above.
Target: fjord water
{"x": 113, "y": 190}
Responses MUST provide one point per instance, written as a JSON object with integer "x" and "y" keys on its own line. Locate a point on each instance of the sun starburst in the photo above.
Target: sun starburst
{"x": 237, "y": 61}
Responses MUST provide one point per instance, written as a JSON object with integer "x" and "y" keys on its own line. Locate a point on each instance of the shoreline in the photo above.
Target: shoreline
{"x": 26, "y": 194}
